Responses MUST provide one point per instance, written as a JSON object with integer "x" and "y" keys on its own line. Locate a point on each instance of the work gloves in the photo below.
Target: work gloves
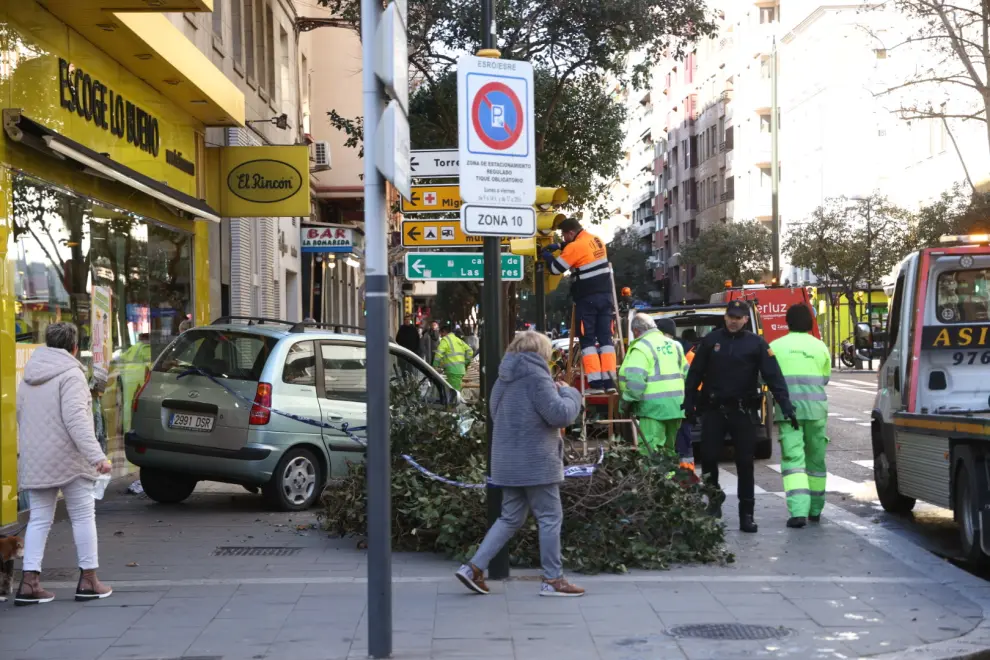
{"x": 553, "y": 247}
{"x": 794, "y": 421}
{"x": 690, "y": 414}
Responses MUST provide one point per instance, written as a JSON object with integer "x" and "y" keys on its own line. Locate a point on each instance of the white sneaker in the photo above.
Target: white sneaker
{"x": 560, "y": 588}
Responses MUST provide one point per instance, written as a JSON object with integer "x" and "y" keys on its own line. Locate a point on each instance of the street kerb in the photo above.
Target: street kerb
{"x": 974, "y": 645}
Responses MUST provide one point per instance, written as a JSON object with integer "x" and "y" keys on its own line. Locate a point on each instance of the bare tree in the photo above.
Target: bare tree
{"x": 955, "y": 83}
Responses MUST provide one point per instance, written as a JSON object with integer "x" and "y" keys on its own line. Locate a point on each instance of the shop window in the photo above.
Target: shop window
{"x": 125, "y": 282}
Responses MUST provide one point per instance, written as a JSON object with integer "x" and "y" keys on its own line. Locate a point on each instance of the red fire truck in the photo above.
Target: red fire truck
{"x": 772, "y": 304}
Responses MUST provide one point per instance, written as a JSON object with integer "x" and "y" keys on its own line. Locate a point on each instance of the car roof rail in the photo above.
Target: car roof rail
{"x": 252, "y": 320}
{"x": 340, "y": 328}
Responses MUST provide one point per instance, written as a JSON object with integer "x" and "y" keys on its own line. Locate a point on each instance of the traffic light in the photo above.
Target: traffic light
{"x": 523, "y": 246}
{"x": 408, "y": 305}
{"x": 547, "y": 198}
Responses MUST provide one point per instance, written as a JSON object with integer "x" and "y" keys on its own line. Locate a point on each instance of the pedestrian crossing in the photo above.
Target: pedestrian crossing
{"x": 837, "y": 484}
{"x": 861, "y": 490}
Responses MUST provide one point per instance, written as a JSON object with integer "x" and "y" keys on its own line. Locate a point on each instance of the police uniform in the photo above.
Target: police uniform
{"x": 727, "y": 365}
{"x": 591, "y": 288}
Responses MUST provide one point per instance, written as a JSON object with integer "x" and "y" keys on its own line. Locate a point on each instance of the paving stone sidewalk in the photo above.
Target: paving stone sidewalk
{"x": 218, "y": 578}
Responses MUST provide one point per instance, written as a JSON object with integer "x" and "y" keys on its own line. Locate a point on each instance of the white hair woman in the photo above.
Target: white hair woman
{"x": 58, "y": 450}
{"x": 528, "y": 409}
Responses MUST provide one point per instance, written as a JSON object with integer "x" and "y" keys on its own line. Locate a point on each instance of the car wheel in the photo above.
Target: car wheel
{"x": 166, "y": 487}
{"x": 885, "y": 479}
{"x": 967, "y": 517}
{"x": 296, "y": 483}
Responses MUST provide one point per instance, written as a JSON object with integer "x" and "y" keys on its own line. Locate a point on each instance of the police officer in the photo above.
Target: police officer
{"x": 727, "y": 364}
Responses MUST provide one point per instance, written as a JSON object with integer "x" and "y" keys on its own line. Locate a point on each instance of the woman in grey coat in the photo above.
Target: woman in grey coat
{"x": 528, "y": 409}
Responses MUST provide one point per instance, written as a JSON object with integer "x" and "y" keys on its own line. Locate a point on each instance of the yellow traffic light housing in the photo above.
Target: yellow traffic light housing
{"x": 547, "y": 198}
{"x": 550, "y": 281}
{"x": 408, "y": 305}
{"x": 547, "y": 222}
{"x": 523, "y": 246}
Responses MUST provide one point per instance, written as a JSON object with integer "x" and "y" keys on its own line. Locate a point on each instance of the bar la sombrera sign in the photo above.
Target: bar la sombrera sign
{"x": 264, "y": 181}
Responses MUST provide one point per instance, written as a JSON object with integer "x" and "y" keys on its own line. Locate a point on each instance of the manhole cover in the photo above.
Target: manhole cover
{"x": 729, "y": 631}
{"x": 253, "y": 551}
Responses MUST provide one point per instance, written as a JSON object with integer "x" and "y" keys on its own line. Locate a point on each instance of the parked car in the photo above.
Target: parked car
{"x": 192, "y": 429}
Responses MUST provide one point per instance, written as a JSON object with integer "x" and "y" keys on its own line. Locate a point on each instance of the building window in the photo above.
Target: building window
{"x": 304, "y": 92}
{"x": 270, "y": 51}
{"x": 236, "y": 31}
{"x": 261, "y": 65}
{"x": 218, "y": 18}
{"x": 249, "y": 37}
{"x": 768, "y": 14}
{"x": 285, "y": 91}
{"x": 765, "y": 123}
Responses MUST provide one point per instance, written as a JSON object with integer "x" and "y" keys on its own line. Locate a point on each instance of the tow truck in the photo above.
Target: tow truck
{"x": 931, "y": 417}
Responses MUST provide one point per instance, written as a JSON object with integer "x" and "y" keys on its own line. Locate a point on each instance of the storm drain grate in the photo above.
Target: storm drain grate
{"x": 253, "y": 551}
{"x": 729, "y": 631}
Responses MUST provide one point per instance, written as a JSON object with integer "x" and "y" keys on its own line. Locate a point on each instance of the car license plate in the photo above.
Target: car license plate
{"x": 191, "y": 422}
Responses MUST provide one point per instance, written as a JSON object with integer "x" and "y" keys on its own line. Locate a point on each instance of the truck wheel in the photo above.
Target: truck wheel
{"x": 885, "y": 478}
{"x": 967, "y": 517}
{"x": 166, "y": 487}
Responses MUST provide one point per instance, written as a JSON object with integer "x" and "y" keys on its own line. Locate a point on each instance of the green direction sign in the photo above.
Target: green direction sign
{"x": 458, "y": 266}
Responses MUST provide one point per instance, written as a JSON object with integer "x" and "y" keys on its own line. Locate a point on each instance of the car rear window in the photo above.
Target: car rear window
{"x": 220, "y": 353}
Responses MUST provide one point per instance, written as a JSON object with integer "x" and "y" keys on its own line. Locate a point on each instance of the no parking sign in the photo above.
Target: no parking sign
{"x": 497, "y": 140}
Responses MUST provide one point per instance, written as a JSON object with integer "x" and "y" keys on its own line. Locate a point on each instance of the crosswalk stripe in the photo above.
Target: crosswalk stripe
{"x": 868, "y": 463}
{"x": 849, "y": 419}
{"x": 833, "y": 414}
{"x": 836, "y": 484}
{"x": 864, "y": 423}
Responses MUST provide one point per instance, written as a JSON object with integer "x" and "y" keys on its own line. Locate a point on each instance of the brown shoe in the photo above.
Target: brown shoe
{"x": 90, "y": 587}
{"x": 30, "y": 591}
{"x": 561, "y": 588}
{"x": 473, "y": 578}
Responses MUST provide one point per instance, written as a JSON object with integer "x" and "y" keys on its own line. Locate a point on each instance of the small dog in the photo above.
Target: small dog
{"x": 11, "y": 547}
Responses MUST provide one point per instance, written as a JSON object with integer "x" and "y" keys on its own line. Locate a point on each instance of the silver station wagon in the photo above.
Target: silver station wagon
{"x": 210, "y": 409}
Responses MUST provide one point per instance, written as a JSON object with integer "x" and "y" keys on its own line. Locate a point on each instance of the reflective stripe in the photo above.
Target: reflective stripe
{"x": 797, "y": 491}
{"x": 809, "y": 396}
{"x": 820, "y": 475}
{"x": 657, "y": 379}
{"x": 606, "y": 349}
{"x": 633, "y": 385}
{"x": 591, "y": 265}
{"x": 793, "y": 471}
{"x": 587, "y": 275}
{"x": 662, "y": 395}
{"x": 638, "y": 371}
{"x": 558, "y": 266}
{"x": 817, "y": 493}
{"x": 591, "y": 350}
{"x": 806, "y": 380}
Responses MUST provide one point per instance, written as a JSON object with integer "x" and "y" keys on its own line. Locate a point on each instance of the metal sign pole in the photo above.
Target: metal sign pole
{"x": 376, "y": 287}
{"x": 541, "y": 299}
{"x": 491, "y": 311}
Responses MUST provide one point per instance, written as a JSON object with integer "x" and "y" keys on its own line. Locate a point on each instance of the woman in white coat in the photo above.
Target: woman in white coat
{"x": 58, "y": 450}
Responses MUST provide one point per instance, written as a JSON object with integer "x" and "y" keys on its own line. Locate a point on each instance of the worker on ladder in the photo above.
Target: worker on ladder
{"x": 585, "y": 256}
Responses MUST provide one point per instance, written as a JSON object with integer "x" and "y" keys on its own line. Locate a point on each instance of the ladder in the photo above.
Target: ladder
{"x": 574, "y": 363}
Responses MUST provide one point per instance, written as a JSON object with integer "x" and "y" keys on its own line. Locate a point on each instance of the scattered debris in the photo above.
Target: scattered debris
{"x": 132, "y": 564}
{"x": 136, "y": 488}
{"x": 118, "y": 533}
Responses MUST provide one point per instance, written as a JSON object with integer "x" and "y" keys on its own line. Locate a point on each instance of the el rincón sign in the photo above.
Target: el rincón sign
{"x": 265, "y": 181}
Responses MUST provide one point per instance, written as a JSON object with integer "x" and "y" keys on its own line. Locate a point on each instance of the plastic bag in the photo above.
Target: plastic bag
{"x": 100, "y": 487}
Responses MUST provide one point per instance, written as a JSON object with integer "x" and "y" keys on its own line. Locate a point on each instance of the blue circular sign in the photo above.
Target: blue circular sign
{"x": 497, "y": 116}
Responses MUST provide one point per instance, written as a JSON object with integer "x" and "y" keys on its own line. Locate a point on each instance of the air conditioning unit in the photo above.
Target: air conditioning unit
{"x": 321, "y": 156}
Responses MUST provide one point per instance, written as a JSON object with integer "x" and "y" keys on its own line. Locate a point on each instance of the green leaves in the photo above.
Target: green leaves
{"x": 628, "y": 515}
{"x": 739, "y": 251}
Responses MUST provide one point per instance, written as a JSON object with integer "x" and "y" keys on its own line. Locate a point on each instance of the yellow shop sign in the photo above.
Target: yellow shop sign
{"x": 264, "y": 181}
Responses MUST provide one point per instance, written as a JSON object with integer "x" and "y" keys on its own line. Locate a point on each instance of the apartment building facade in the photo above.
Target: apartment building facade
{"x": 714, "y": 165}
{"x": 255, "y": 263}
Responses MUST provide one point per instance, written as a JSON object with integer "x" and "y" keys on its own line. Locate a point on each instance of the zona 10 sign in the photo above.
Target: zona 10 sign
{"x": 496, "y": 137}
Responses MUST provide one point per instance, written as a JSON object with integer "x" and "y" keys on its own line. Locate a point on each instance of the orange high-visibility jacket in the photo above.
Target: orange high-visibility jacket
{"x": 587, "y": 259}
